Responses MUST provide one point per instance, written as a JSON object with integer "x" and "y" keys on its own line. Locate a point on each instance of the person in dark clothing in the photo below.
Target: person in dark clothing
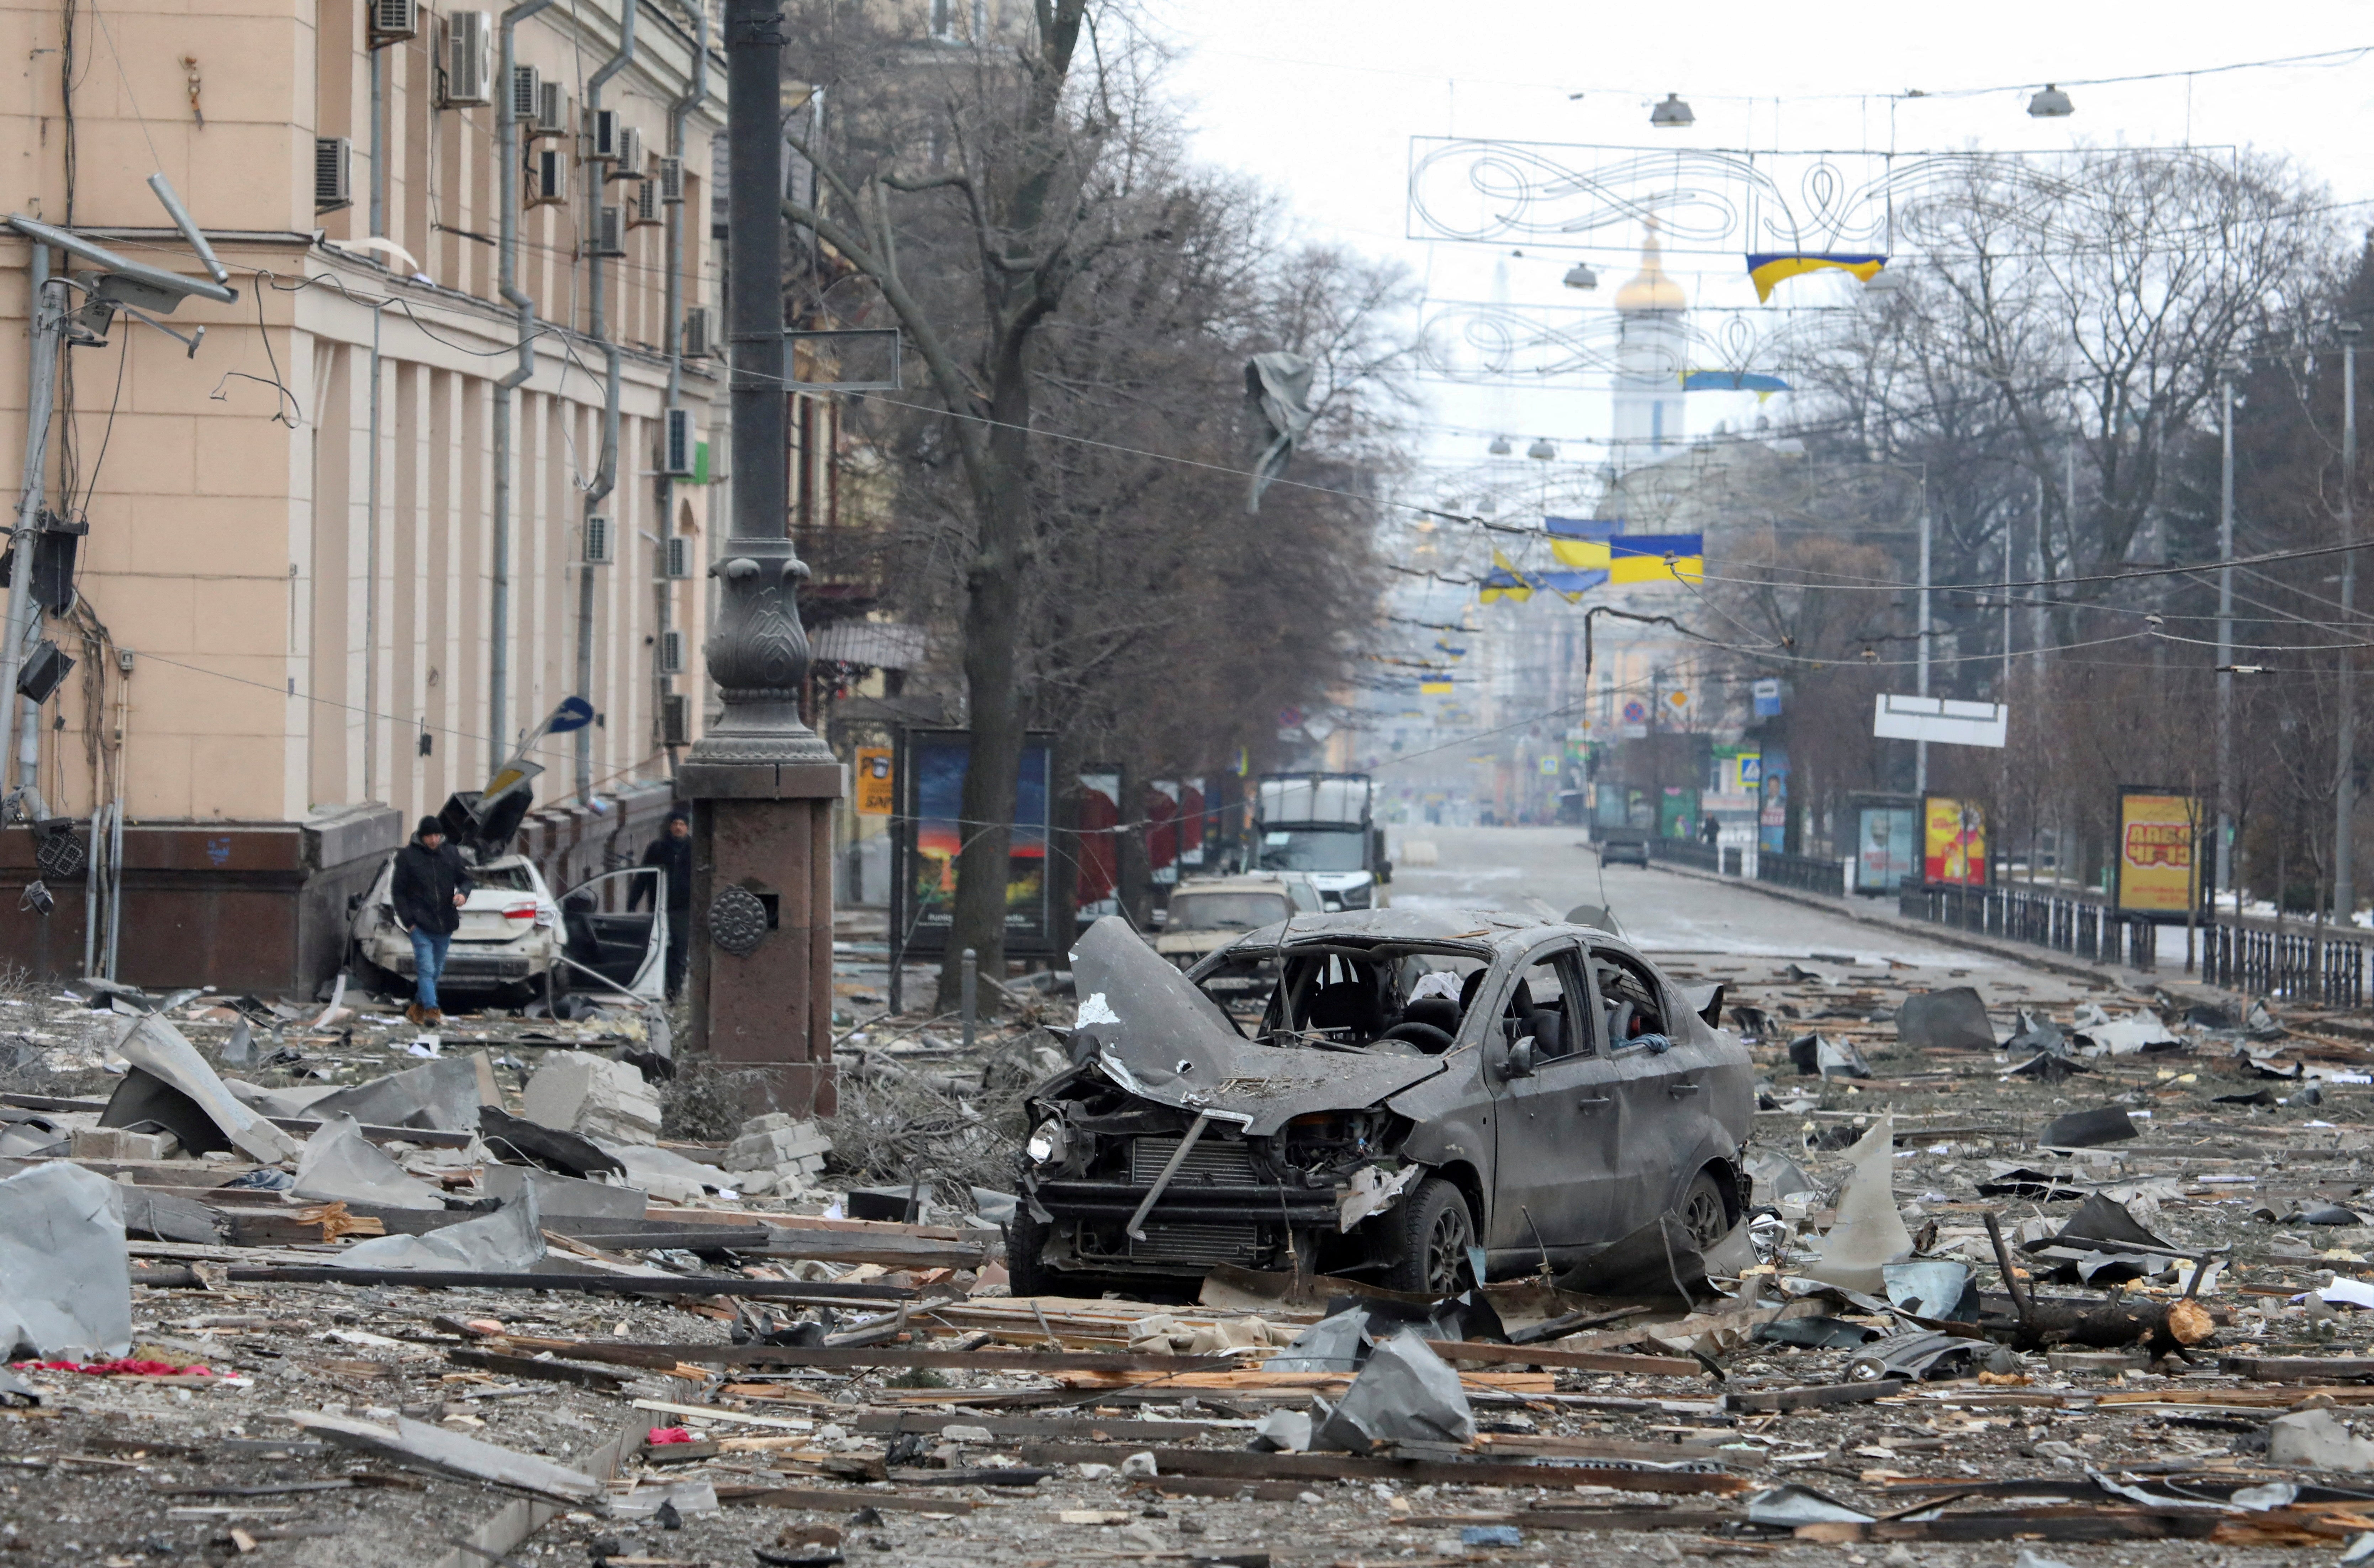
{"x": 428, "y": 889}
{"x": 670, "y": 853}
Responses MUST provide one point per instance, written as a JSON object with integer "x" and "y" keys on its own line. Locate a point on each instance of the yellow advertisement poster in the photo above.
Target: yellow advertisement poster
{"x": 874, "y": 797}
{"x": 1953, "y": 841}
{"x": 2158, "y": 874}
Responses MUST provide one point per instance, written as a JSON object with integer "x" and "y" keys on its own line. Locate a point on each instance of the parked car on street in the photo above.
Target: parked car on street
{"x": 1622, "y": 844}
{"x": 1417, "y": 1084}
{"x": 1205, "y": 914}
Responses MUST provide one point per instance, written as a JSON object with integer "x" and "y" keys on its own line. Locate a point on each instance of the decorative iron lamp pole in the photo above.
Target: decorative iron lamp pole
{"x": 762, "y": 781}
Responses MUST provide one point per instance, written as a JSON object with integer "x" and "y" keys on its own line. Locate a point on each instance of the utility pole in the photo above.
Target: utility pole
{"x": 1921, "y": 748}
{"x": 24, "y": 616}
{"x": 2226, "y": 633}
{"x": 2344, "y": 784}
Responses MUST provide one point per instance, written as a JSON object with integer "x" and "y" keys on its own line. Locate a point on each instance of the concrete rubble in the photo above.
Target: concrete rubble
{"x": 642, "y": 1344}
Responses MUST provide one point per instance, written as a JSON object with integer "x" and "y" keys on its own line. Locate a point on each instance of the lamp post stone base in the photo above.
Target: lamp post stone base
{"x": 762, "y": 969}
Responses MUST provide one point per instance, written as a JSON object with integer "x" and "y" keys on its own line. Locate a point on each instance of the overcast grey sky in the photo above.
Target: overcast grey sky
{"x": 1319, "y": 100}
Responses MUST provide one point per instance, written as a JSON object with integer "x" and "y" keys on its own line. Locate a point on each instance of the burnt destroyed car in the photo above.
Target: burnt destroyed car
{"x": 1411, "y": 1098}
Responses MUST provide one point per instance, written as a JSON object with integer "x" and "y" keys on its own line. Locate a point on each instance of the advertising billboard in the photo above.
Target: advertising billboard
{"x": 2160, "y": 872}
{"x": 930, "y": 776}
{"x": 1953, "y": 841}
{"x": 1884, "y": 840}
{"x": 875, "y": 792}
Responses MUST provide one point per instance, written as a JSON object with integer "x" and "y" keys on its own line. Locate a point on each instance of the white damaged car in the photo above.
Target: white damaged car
{"x": 517, "y": 942}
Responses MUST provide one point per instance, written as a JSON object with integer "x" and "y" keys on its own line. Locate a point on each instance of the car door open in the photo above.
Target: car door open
{"x": 614, "y": 930}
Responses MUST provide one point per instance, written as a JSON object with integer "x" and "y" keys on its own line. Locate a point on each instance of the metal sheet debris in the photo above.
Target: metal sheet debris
{"x": 66, "y": 1285}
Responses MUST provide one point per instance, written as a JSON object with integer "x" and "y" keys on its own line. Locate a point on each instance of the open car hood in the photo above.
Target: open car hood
{"x": 1155, "y": 1034}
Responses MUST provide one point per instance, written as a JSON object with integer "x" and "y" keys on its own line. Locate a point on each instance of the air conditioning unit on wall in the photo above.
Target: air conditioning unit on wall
{"x": 597, "y": 540}
{"x": 527, "y": 92}
{"x": 392, "y": 21}
{"x": 680, "y": 445}
{"x": 630, "y": 155}
{"x": 469, "y": 59}
{"x": 602, "y": 134}
{"x": 333, "y": 173}
{"x": 643, "y": 208}
{"x": 610, "y": 233}
{"x": 700, "y": 341}
{"x": 547, "y": 177}
{"x": 551, "y": 110}
{"x": 671, "y": 181}
{"x": 676, "y": 560}
{"x": 671, "y": 653}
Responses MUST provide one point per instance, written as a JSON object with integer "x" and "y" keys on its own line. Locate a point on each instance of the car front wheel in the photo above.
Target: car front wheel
{"x": 1430, "y": 1243}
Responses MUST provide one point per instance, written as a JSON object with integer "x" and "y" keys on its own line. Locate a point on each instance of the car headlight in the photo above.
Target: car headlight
{"x": 1047, "y": 1143}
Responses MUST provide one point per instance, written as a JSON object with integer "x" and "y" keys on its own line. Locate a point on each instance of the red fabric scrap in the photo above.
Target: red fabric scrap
{"x": 661, "y": 1434}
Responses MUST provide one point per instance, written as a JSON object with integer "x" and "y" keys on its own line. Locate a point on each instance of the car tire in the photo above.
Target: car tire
{"x": 1705, "y": 1214}
{"x": 1425, "y": 1241}
{"x": 1025, "y": 1237}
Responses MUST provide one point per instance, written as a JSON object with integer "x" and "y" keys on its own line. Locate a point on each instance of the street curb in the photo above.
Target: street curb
{"x": 1946, "y": 936}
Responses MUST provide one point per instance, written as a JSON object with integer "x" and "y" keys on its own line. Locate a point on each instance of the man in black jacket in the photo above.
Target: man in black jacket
{"x": 428, "y": 889}
{"x": 671, "y": 852}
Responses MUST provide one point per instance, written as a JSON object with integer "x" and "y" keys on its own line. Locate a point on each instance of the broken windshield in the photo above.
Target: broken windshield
{"x": 1226, "y": 911}
{"x": 1399, "y": 997}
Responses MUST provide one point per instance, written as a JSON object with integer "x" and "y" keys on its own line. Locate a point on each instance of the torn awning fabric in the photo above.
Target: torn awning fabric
{"x": 1277, "y": 389}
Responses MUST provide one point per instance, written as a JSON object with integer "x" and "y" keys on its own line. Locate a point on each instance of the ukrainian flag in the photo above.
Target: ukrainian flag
{"x": 1655, "y": 557}
{"x": 1767, "y": 270}
{"x": 1504, "y": 581}
{"x": 1572, "y": 584}
{"x": 1434, "y": 688}
{"x": 1582, "y": 541}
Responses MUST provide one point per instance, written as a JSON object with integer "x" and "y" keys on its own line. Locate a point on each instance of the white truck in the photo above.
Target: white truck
{"x": 1325, "y": 824}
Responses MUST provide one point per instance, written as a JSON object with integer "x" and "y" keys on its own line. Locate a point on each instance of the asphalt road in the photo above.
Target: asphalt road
{"x": 1547, "y": 871}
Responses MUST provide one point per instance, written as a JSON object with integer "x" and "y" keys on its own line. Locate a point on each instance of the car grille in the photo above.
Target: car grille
{"x": 1173, "y": 1243}
{"x": 1212, "y": 1159}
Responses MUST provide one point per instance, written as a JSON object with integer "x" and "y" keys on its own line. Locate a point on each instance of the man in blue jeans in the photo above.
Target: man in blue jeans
{"x": 428, "y": 889}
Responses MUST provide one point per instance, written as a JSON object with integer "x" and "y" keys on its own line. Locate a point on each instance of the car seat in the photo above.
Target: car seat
{"x": 1348, "y": 1005}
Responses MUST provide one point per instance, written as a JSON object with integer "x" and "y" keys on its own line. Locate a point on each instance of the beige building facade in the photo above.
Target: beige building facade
{"x": 290, "y": 587}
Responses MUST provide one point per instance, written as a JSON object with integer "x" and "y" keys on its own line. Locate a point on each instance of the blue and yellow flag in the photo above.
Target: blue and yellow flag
{"x": 1504, "y": 581}
{"x": 1442, "y": 647}
{"x": 1629, "y": 559}
{"x": 1655, "y": 557}
{"x": 1757, "y": 382}
{"x": 1582, "y": 541}
{"x": 1434, "y": 688}
{"x": 1768, "y": 269}
{"x": 1572, "y": 584}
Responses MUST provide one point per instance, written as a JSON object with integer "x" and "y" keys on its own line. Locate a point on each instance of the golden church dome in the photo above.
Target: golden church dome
{"x": 1650, "y": 288}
